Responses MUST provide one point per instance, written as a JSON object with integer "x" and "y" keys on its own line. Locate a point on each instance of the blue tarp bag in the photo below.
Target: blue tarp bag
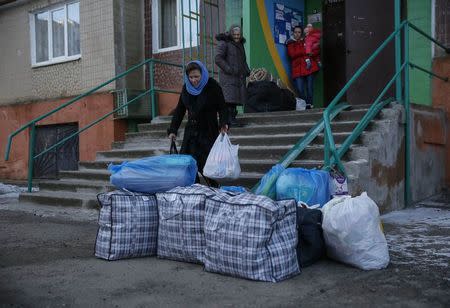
{"x": 154, "y": 174}
{"x": 309, "y": 186}
{"x": 267, "y": 185}
{"x": 237, "y": 189}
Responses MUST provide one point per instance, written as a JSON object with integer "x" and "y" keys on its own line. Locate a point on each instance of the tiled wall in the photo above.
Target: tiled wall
{"x": 19, "y": 82}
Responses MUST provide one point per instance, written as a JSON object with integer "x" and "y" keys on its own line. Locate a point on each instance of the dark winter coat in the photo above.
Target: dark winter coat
{"x": 202, "y": 128}
{"x": 297, "y": 52}
{"x": 230, "y": 58}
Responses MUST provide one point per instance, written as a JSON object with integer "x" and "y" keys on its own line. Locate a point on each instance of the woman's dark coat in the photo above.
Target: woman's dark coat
{"x": 230, "y": 58}
{"x": 201, "y": 128}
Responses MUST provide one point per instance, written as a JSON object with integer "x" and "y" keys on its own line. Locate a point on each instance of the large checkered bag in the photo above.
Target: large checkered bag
{"x": 128, "y": 225}
{"x": 251, "y": 236}
{"x": 181, "y": 234}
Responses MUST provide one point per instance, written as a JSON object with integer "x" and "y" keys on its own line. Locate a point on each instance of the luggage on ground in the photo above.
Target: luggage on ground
{"x": 181, "y": 234}
{"x": 128, "y": 225}
{"x": 353, "y": 234}
{"x": 251, "y": 236}
{"x": 309, "y": 186}
{"x": 267, "y": 185}
{"x": 311, "y": 245}
{"x": 154, "y": 174}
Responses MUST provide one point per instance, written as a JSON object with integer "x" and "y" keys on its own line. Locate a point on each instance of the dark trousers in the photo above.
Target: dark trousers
{"x": 305, "y": 87}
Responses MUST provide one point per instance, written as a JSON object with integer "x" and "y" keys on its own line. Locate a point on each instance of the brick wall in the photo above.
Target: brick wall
{"x": 19, "y": 82}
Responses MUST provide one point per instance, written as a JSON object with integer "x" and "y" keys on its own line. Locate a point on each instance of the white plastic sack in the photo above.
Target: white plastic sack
{"x": 352, "y": 232}
{"x": 300, "y": 104}
{"x": 223, "y": 160}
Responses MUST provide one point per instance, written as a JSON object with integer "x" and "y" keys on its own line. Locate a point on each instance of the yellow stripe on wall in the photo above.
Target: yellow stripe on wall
{"x": 264, "y": 19}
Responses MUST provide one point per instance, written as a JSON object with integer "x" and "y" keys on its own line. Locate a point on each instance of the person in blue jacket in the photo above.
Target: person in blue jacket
{"x": 203, "y": 99}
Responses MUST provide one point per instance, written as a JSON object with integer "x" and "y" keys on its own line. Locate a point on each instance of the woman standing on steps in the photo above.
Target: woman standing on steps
{"x": 231, "y": 60}
{"x": 303, "y": 66}
{"x": 203, "y": 99}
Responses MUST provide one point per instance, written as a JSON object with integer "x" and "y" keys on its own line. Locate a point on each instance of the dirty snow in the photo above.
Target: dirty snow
{"x": 420, "y": 236}
{"x": 10, "y": 193}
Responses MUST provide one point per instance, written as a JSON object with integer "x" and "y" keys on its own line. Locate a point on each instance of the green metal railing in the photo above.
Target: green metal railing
{"x": 332, "y": 154}
{"x": 32, "y": 124}
{"x": 191, "y": 15}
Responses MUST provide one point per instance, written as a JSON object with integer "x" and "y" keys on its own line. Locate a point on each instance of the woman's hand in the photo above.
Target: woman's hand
{"x": 224, "y": 129}
{"x": 172, "y": 136}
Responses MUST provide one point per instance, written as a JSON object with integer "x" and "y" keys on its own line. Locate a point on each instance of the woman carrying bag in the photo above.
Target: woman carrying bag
{"x": 203, "y": 99}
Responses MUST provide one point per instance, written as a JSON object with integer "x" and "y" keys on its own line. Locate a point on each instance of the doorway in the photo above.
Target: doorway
{"x": 64, "y": 157}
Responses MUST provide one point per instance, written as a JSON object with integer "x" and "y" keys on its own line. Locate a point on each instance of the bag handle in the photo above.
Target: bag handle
{"x": 173, "y": 147}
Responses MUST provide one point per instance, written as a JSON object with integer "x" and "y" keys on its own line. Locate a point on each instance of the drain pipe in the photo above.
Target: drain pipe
{"x": 407, "y": 188}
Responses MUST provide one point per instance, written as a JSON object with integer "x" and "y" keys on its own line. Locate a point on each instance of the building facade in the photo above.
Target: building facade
{"x": 55, "y": 50}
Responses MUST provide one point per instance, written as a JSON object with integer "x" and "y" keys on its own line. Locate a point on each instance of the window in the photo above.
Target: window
{"x": 55, "y": 34}
{"x": 440, "y": 23}
{"x": 168, "y": 24}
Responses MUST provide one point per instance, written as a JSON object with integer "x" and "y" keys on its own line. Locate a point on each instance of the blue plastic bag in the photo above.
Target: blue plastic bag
{"x": 154, "y": 174}
{"x": 238, "y": 189}
{"x": 309, "y": 186}
{"x": 267, "y": 185}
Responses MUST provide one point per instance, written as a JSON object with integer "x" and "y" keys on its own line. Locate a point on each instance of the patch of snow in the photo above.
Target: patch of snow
{"x": 420, "y": 237}
{"x": 427, "y": 216}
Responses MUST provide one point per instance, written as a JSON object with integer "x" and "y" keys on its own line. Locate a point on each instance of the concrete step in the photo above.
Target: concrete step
{"x": 280, "y": 139}
{"x": 246, "y": 165}
{"x": 256, "y": 119}
{"x": 61, "y": 198}
{"x": 76, "y": 186}
{"x": 245, "y": 152}
{"x": 167, "y": 119}
{"x": 246, "y": 179}
{"x": 250, "y": 130}
{"x": 86, "y": 175}
{"x": 264, "y": 165}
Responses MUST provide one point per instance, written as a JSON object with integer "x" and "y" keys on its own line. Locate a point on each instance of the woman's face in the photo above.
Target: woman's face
{"x": 194, "y": 77}
{"x": 236, "y": 35}
{"x": 297, "y": 33}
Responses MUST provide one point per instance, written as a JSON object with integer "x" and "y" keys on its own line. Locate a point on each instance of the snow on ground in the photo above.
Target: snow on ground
{"x": 419, "y": 236}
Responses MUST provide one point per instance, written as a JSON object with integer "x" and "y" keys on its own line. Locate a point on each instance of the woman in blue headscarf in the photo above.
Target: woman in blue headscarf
{"x": 203, "y": 99}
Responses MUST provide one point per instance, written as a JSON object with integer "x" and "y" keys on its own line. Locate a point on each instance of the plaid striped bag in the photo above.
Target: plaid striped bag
{"x": 181, "y": 234}
{"x": 128, "y": 225}
{"x": 251, "y": 236}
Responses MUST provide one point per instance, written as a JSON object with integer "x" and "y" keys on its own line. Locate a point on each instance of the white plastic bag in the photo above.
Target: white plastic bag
{"x": 223, "y": 160}
{"x": 352, "y": 232}
{"x": 300, "y": 104}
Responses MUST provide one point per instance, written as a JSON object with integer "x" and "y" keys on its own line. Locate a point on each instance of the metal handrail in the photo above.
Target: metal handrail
{"x": 330, "y": 144}
{"x": 297, "y": 149}
{"x": 413, "y": 66}
{"x": 32, "y": 124}
{"x": 330, "y": 112}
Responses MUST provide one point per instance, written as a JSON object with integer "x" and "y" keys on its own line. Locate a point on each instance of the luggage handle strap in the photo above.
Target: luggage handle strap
{"x": 173, "y": 147}
{"x": 174, "y": 150}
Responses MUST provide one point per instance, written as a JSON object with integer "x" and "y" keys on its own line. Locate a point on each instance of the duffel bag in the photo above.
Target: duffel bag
{"x": 311, "y": 245}
{"x": 181, "y": 234}
{"x": 251, "y": 236}
{"x": 154, "y": 174}
{"x": 128, "y": 225}
{"x": 309, "y": 186}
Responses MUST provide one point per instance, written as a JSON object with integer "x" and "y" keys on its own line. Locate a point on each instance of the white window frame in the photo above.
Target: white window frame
{"x": 155, "y": 28}
{"x": 51, "y": 59}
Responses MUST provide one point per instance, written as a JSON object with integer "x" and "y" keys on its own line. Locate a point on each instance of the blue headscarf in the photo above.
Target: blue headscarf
{"x": 203, "y": 80}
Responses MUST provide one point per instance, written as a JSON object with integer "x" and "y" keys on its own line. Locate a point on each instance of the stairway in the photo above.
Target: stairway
{"x": 262, "y": 142}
